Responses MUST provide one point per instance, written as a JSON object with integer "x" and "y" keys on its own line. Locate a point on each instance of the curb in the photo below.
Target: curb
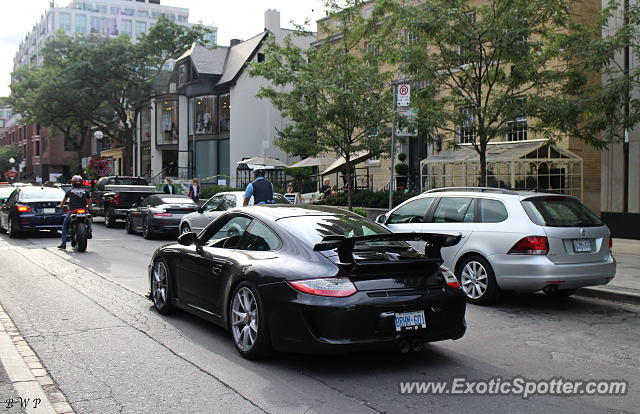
{"x": 618, "y": 294}
{"x": 36, "y": 390}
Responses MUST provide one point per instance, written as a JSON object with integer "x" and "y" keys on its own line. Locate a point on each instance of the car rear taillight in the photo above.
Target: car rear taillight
{"x": 23, "y": 209}
{"x": 80, "y": 211}
{"x": 338, "y": 287}
{"x": 116, "y": 199}
{"x": 531, "y": 245}
{"x": 449, "y": 277}
{"x": 162, "y": 214}
{"x": 610, "y": 243}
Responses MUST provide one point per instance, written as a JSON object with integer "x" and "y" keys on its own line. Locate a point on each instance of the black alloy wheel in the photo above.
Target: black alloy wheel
{"x": 129, "y": 225}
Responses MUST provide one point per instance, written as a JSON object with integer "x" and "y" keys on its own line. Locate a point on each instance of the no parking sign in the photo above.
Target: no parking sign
{"x": 404, "y": 94}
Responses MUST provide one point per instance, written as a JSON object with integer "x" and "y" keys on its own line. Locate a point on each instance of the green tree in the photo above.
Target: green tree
{"x": 481, "y": 70}
{"x": 336, "y": 94}
{"x": 94, "y": 81}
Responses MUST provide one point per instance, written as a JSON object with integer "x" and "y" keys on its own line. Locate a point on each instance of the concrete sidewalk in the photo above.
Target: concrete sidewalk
{"x": 625, "y": 286}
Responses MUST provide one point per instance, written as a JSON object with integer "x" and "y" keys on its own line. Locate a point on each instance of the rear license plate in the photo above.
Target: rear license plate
{"x": 581, "y": 245}
{"x": 410, "y": 321}
{"x": 49, "y": 210}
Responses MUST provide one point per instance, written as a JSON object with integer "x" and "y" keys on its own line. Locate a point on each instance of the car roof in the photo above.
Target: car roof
{"x": 278, "y": 211}
{"x": 490, "y": 193}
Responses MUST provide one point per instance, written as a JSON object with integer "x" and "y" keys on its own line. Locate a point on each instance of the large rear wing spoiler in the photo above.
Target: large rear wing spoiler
{"x": 345, "y": 245}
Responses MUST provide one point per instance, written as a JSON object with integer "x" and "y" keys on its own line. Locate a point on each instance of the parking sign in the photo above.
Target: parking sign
{"x": 404, "y": 95}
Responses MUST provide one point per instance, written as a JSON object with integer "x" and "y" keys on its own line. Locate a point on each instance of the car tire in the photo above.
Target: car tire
{"x": 478, "y": 281}
{"x": 13, "y": 228}
{"x": 161, "y": 291}
{"x": 2, "y": 229}
{"x": 129, "y": 226}
{"x": 250, "y": 336}
{"x": 147, "y": 233}
{"x": 109, "y": 219}
{"x": 560, "y": 293}
{"x": 185, "y": 229}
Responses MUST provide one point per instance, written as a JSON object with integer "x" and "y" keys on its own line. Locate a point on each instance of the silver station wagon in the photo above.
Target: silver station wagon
{"x": 511, "y": 241}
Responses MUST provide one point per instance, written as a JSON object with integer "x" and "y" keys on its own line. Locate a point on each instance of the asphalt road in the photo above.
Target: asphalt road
{"x": 109, "y": 351}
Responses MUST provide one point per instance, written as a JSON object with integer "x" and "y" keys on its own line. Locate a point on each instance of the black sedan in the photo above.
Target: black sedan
{"x": 311, "y": 280}
{"x": 32, "y": 208}
{"x": 159, "y": 213}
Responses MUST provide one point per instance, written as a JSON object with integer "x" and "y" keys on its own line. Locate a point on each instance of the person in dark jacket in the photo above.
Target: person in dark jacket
{"x": 261, "y": 189}
{"x": 194, "y": 190}
{"x": 168, "y": 187}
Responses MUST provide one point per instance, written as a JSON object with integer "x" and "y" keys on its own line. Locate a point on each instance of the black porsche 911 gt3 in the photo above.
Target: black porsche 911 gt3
{"x": 310, "y": 280}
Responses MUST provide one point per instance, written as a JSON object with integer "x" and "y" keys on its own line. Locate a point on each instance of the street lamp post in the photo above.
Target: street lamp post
{"x": 12, "y": 161}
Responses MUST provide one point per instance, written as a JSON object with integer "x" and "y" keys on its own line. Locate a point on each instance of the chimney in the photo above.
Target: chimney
{"x": 272, "y": 20}
{"x": 235, "y": 42}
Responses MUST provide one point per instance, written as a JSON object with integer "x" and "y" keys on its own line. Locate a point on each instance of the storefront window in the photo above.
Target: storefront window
{"x": 224, "y": 103}
{"x": 204, "y": 115}
{"x": 145, "y": 125}
{"x": 167, "y": 122}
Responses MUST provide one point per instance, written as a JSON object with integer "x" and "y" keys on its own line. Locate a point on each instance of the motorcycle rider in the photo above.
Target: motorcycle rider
{"x": 77, "y": 197}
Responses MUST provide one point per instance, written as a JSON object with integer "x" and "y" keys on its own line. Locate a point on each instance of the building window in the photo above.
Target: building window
{"x": 128, "y": 12}
{"x": 126, "y": 26}
{"x": 224, "y": 104}
{"x": 81, "y": 23}
{"x": 517, "y": 129}
{"x": 167, "y": 122}
{"x": 96, "y": 24}
{"x": 465, "y": 50}
{"x": 155, "y": 15}
{"x": 65, "y": 22}
{"x": 115, "y": 10}
{"x": 183, "y": 19}
{"x": 141, "y": 28}
{"x": 182, "y": 74}
{"x": 204, "y": 115}
{"x": 467, "y": 129}
{"x": 101, "y": 8}
{"x": 142, "y": 14}
{"x": 171, "y": 17}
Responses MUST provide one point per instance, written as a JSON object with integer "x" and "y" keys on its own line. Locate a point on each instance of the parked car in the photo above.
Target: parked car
{"x": 5, "y": 192}
{"x": 158, "y": 213}
{"x": 113, "y": 197}
{"x": 309, "y": 279}
{"x": 215, "y": 206}
{"x": 516, "y": 241}
{"x": 32, "y": 208}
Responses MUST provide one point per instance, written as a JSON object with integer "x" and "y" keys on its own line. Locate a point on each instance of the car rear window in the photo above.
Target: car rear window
{"x": 560, "y": 211}
{"x": 312, "y": 229}
{"x": 41, "y": 194}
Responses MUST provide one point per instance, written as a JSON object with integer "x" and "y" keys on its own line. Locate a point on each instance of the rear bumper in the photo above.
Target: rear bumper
{"x": 313, "y": 324}
{"x": 531, "y": 273}
{"x": 165, "y": 225}
{"x": 40, "y": 222}
{"x": 120, "y": 212}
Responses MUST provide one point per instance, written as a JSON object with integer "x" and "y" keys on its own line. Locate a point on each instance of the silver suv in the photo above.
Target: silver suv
{"x": 516, "y": 241}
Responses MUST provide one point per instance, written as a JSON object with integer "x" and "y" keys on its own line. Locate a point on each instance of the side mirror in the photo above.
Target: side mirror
{"x": 381, "y": 219}
{"x": 188, "y": 239}
{"x": 201, "y": 209}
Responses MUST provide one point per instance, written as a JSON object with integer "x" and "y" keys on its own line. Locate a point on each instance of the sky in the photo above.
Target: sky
{"x": 235, "y": 19}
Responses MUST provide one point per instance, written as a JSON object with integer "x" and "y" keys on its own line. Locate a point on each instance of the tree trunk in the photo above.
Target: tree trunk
{"x": 483, "y": 166}
{"x": 349, "y": 186}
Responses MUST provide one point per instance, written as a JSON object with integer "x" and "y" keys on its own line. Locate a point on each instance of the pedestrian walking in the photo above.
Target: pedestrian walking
{"x": 194, "y": 190}
{"x": 168, "y": 187}
{"x": 261, "y": 189}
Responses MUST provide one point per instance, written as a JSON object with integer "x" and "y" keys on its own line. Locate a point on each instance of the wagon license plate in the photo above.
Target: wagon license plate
{"x": 49, "y": 210}
{"x": 410, "y": 321}
{"x": 581, "y": 245}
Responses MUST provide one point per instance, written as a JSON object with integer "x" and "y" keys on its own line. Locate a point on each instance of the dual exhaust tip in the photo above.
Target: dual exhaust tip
{"x": 406, "y": 345}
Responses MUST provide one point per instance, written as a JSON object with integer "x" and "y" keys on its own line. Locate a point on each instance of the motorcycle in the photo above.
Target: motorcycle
{"x": 79, "y": 229}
